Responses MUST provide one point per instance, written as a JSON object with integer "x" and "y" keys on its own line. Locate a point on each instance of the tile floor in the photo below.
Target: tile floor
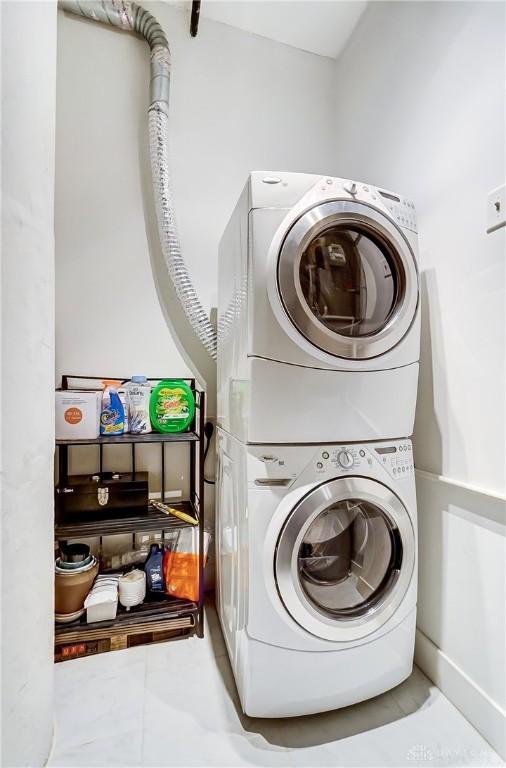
{"x": 175, "y": 704}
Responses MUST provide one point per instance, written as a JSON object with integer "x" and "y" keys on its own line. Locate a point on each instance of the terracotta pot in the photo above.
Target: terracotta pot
{"x": 71, "y": 589}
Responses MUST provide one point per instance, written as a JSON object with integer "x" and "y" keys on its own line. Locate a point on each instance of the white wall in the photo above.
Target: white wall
{"x": 415, "y": 103}
{"x": 420, "y": 109}
{"x": 238, "y": 103}
{"x": 28, "y": 122}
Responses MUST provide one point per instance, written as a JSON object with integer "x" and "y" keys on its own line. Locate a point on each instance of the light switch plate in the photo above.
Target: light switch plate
{"x": 496, "y": 209}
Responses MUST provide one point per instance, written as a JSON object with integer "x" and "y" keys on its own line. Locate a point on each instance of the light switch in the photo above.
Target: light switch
{"x": 496, "y": 209}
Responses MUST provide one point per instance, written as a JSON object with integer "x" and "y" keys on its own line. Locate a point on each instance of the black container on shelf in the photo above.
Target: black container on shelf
{"x": 101, "y": 494}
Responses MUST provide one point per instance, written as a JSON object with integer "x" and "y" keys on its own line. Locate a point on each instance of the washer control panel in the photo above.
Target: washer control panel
{"x": 395, "y": 457}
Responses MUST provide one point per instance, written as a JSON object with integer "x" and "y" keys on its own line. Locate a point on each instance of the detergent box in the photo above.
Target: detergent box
{"x": 77, "y": 415}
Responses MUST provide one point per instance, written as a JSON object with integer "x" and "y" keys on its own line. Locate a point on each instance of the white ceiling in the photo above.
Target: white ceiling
{"x": 319, "y": 26}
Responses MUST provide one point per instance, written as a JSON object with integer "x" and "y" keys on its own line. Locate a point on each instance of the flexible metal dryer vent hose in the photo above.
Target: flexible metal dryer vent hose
{"x": 134, "y": 18}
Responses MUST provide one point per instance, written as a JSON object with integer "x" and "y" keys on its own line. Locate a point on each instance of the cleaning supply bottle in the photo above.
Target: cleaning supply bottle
{"x": 172, "y": 406}
{"x": 139, "y": 393}
{"x": 123, "y": 396}
{"x": 154, "y": 569}
{"x": 112, "y": 417}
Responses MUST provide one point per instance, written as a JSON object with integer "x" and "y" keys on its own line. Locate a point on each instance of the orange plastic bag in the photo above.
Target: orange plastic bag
{"x": 181, "y": 565}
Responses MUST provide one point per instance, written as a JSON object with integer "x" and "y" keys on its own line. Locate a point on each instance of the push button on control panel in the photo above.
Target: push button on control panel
{"x": 403, "y": 212}
{"x": 397, "y": 459}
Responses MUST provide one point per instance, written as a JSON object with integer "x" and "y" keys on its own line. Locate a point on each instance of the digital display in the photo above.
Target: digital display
{"x": 388, "y": 449}
{"x": 389, "y": 196}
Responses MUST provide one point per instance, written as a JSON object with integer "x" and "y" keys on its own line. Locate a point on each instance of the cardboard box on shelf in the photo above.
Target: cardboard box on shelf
{"x": 77, "y": 415}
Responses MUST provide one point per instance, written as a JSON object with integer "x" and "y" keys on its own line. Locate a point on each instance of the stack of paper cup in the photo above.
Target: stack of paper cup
{"x": 132, "y": 588}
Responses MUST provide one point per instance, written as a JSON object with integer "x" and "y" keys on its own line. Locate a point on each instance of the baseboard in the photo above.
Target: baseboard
{"x": 481, "y": 711}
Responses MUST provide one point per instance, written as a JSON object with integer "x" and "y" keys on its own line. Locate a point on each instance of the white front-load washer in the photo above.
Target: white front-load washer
{"x": 318, "y": 316}
{"x": 317, "y": 577}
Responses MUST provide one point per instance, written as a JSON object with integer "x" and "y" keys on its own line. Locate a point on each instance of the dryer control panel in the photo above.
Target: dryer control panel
{"x": 395, "y": 457}
{"x": 401, "y": 209}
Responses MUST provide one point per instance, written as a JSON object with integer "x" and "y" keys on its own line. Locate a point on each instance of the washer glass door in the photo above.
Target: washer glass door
{"x": 347, "y": 280}
{"x": 349, "y": 558}
{"x": 344, "y": 558}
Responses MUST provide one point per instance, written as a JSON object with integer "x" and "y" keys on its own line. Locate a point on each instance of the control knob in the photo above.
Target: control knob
{"x": 345, "y": 459}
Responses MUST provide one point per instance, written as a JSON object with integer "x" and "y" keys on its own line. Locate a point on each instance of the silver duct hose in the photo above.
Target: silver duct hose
{"x": 134, "y": 18}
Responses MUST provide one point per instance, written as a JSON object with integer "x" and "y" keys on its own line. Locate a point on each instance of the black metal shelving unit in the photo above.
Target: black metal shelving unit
{"x": 160, "y": 617}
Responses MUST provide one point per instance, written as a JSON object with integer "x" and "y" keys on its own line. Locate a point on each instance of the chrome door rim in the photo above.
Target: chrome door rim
{"x": 295, "y": 528}
{"x": 311, "y": 224}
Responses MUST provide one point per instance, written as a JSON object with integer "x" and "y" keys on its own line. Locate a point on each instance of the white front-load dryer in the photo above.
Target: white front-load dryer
{"x": 317, "y": 577}
{"x": 318, "y": 316}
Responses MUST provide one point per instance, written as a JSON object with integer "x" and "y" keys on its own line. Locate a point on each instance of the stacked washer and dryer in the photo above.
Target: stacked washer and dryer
{"x": 318, "y": 348}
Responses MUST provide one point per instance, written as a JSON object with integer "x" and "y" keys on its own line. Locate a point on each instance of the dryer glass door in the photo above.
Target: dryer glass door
{"x": 345, "y": 558}
{"x": 347, "y": 280}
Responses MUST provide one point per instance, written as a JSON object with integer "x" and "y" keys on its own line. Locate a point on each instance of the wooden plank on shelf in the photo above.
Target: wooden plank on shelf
{"x": 119, "y": 642}
{"x": 88, "y": 632}
{"x": 72, "y": 647}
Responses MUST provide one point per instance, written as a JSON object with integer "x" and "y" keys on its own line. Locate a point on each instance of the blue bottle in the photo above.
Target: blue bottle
{"x": 112, "y": 417}
{"x": 154, "y": 569}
